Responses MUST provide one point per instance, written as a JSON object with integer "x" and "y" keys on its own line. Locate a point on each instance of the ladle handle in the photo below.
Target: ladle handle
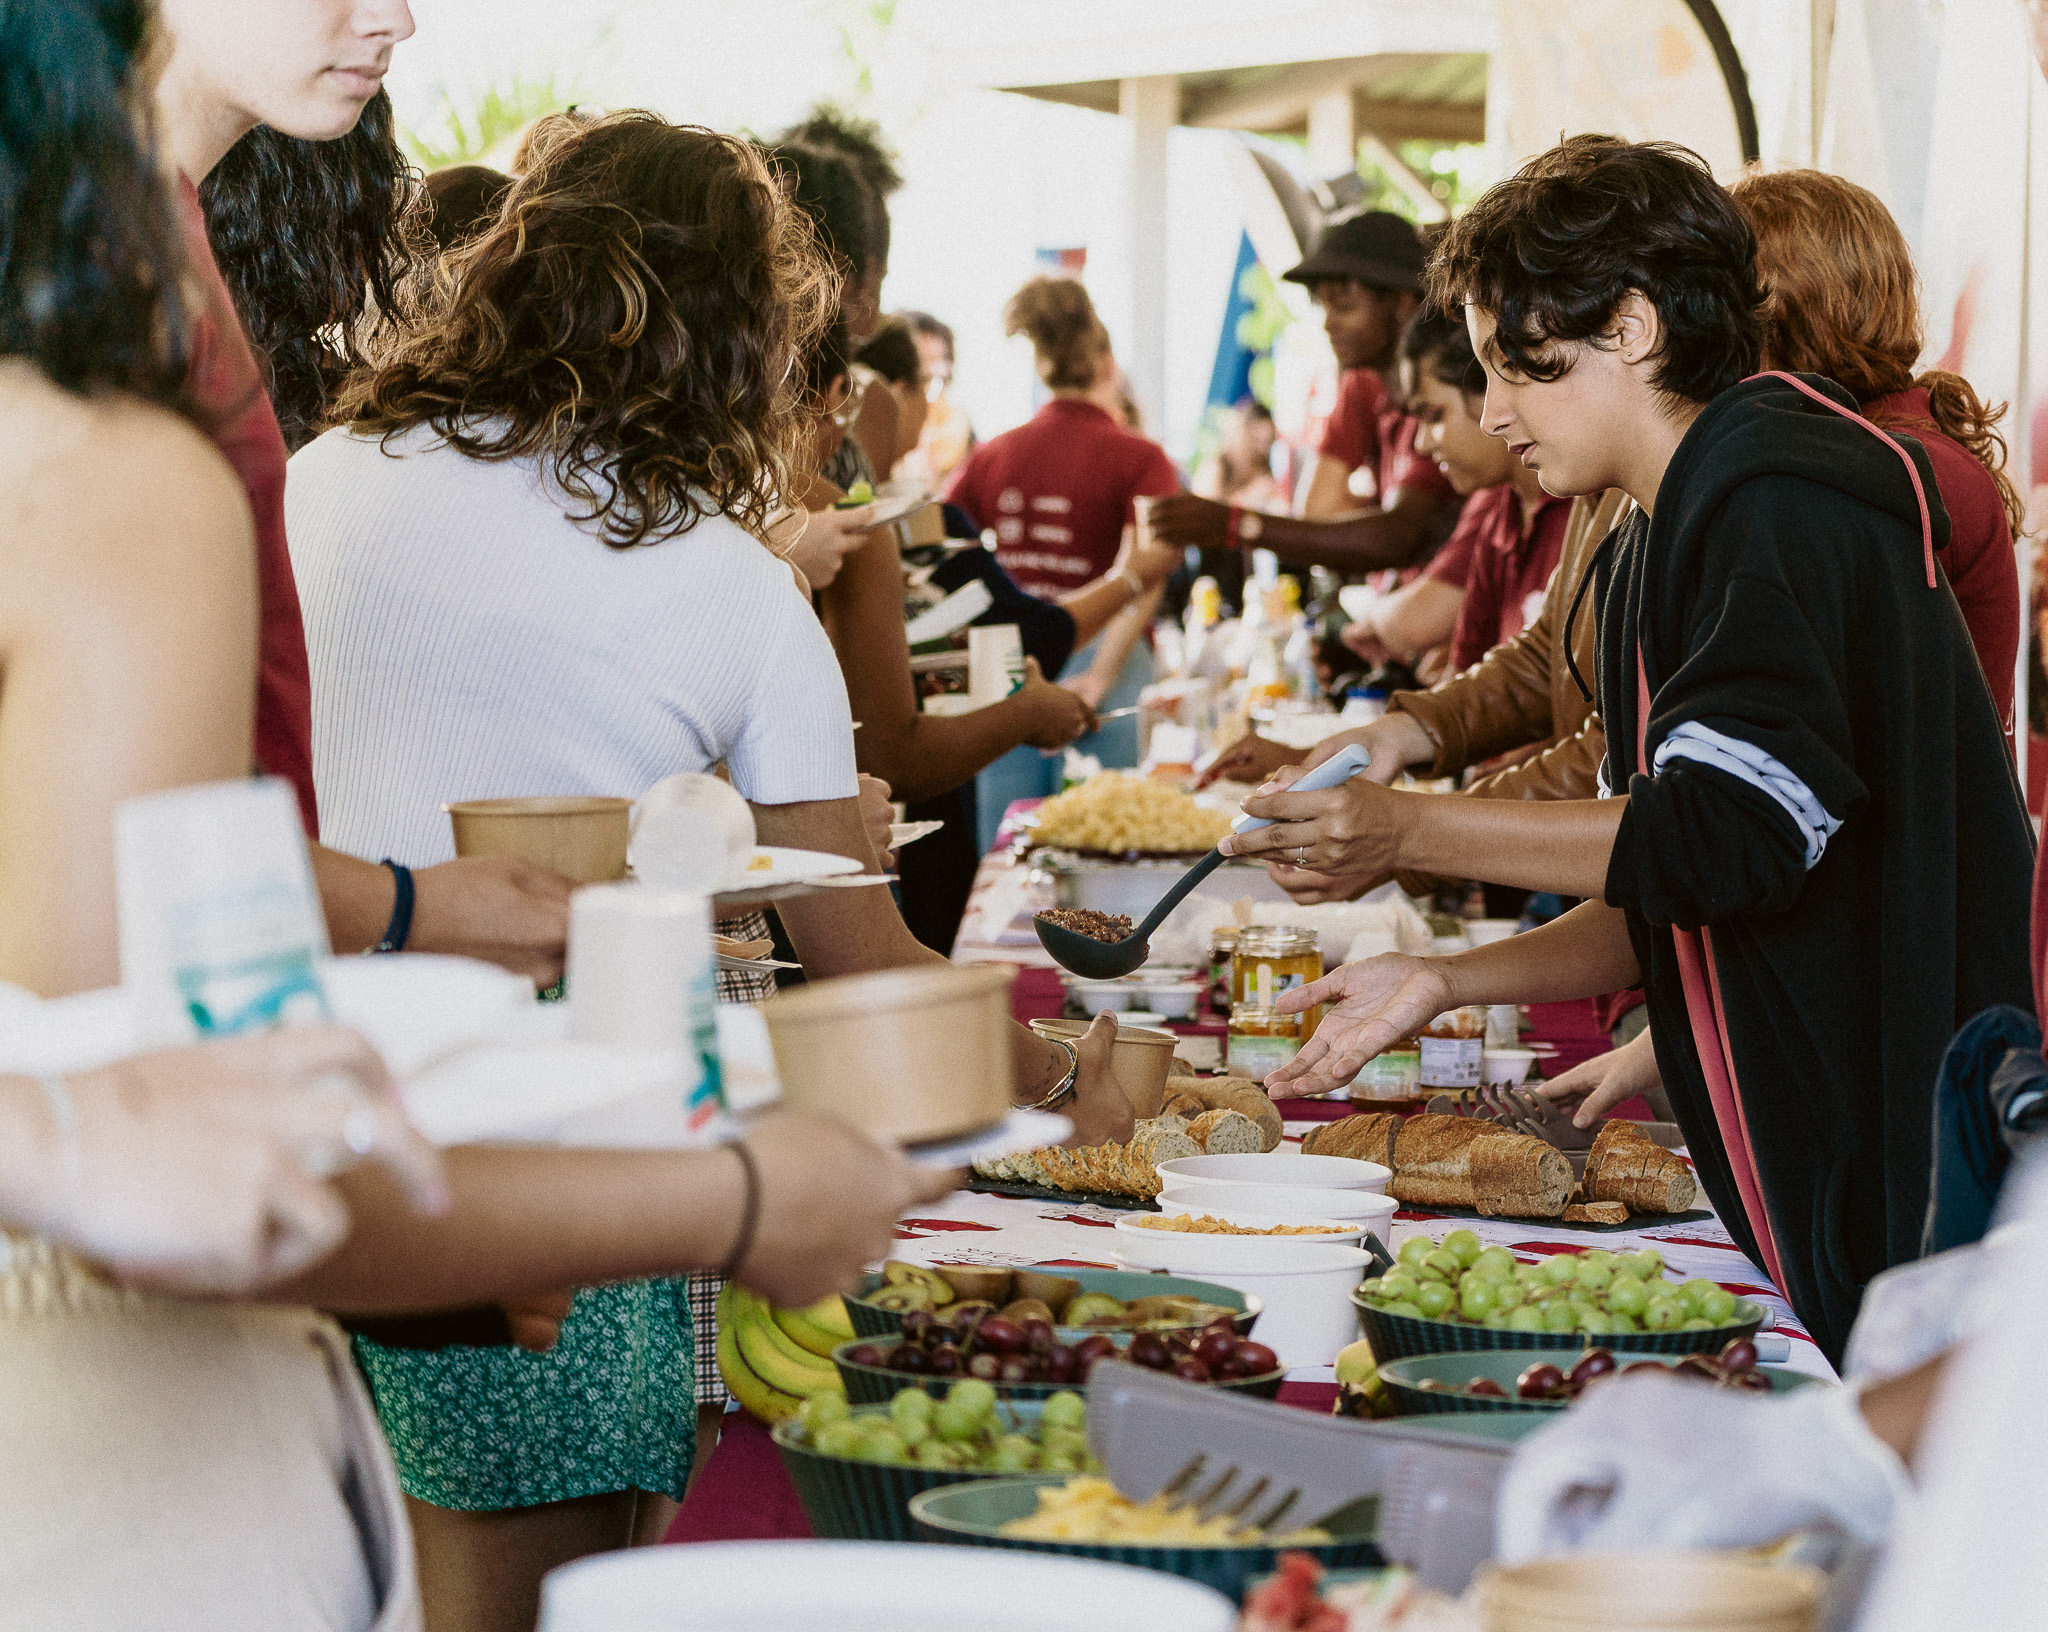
{"x": 1338, "y": 768}
{"x": 1173, "y": 897}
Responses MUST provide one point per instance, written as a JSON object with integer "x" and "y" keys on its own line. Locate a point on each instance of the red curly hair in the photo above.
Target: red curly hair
{"x": 1843, "y": 299}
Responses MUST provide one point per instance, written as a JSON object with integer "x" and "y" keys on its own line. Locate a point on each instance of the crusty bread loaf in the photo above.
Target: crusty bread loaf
{"x": 1239, "y": 1094}
{"x": 1181, "y": 1105}
{"x": 1627, "y": 1166}
{"x": 1432, "y": 1160}
{"x": 1596, "y": 1212}
{"x": 1366, "y": 1138}
{"x": 1226, "y": 1133}
{"x": 1514, "y": 1175}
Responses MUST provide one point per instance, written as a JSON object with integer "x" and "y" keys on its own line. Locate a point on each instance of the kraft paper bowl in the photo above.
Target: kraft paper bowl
{"x": 581, "y": 837}
{"x": 907, "y": 1055}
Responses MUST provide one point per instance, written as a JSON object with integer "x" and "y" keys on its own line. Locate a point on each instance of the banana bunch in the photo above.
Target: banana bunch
{"x": 773, "y": 1359}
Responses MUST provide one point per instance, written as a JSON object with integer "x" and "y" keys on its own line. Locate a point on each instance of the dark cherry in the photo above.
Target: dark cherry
{"x": 1256, "y": 1358}
{"x": 1487, "y": 1387}
{"x": 1212, "y": 1348}
{"x": 1148, "y": 1349}
{"x": 1739, "y": 1354}
{"x": 1015, "y": 1369}
{"x": 1593, "y": 1363}
{"x": 1038, "y": 1335}
{"x": 1193, "y": 1371}
{"x": 988, "y": 1367}
{"x": 1542, "y": 1381}
{"x": 909, "y": 1357}
{"x": 1703, "y": 1366}
{"x": 917, "y": 1324}
{"x": 1643, "y": 1365}
{"x": 1058, "y": 1364}
{"x": 964, "y": 1317}
{"x": 944, "y": 1360}
{"x": 864, "y": 1354}
{"x": 1095, "y": 1346}
{"x": 1231, "y": 1368}
{"x": 996, "y": 1335}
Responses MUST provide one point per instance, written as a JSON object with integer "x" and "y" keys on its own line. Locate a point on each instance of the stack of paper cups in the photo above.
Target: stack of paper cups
{"x": 641, "y": 977}
{"x": 220, "y": 922}
{"x": 995, "y": 662}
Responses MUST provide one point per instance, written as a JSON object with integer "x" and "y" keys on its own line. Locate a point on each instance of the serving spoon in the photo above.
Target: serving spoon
{"x": 1105, "y": 960}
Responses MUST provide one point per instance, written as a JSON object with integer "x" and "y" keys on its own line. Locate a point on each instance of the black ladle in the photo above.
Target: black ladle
{"x": 1105, "y": 960}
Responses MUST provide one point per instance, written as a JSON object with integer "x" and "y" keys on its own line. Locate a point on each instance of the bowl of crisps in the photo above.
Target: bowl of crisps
{"x": 1116, "y": 814}
{"x": 1086, "y": 1517}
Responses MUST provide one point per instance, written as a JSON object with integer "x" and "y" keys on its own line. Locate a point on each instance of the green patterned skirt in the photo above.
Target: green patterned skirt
{"x": 612, "y": 1406}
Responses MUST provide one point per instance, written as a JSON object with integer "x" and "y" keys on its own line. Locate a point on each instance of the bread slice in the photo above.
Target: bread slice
{"x": 1225, "y": 1133}
{"x": 1627, "y": 1166}
{"x": 1514, "y": 1175}
{"x": 1596, "y": 1212}
{"x": 1239, "y": 1094}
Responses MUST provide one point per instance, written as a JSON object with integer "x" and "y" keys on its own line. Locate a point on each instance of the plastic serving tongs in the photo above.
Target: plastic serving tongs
{"x": 1105, "y": 960}
{"x": 1434, "y": 1487}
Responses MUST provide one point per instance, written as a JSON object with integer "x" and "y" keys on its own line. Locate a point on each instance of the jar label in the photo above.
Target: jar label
{"x": 1255, "y": 1057}
{"x": 1451, "y": 1062}
{"x": 1393, "y": 1075}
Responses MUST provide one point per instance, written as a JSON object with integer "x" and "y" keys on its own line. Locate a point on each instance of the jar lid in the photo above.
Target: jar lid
{"x": 1276, "y": 938}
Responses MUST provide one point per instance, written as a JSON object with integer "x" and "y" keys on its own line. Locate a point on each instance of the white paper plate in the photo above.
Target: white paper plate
{"x": 888, "y": 507}
{"x": 773, "y": 865}
{"x": 902, "y": 833}
{"x": 867, "y": 1586}
{"x": 1020, "y": 1130}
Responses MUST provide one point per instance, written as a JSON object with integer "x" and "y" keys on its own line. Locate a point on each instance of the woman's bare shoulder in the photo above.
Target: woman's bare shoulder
{"x": 80, "y": 476}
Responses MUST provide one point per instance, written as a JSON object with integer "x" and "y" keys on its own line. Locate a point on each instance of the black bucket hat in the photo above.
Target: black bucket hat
{"x": 1375, "y": 247}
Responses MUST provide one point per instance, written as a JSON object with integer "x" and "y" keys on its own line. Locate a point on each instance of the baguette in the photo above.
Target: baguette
{"x": 1596, "y": 1212}
{"x": 1433, "y": 1160}
{"x": 1627, "y": 1166}
{"x": 1514, "y": 1175}
{"x": 1368, "y": 1137}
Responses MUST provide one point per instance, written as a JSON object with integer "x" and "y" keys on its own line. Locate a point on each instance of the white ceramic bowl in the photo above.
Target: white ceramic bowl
{"x": 865, "y": 1586}
{"x": 1339, "y": 1234}
{"x": 1506, "y": 1066}
{"x": 1101, "y": 996}
{"x": 1305, "y": 1286}
{"x": 1278, "y": 1167}
{"x": 1266, "y": 1204}
{"x": 1175, "y": 1002}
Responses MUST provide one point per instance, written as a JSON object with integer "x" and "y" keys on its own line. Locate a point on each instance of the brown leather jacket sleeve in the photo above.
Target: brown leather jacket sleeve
{"x": 1523, "y": 692}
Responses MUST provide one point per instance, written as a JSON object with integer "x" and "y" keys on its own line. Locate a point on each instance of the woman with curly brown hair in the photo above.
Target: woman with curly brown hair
{"x": 529, "y": 559}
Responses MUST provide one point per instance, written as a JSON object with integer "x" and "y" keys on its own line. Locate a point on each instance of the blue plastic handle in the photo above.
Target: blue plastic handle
{"x": 1333, "y": 772}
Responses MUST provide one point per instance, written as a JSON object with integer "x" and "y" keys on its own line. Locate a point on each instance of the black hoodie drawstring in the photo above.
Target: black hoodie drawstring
{"x": 1571, "y": 663}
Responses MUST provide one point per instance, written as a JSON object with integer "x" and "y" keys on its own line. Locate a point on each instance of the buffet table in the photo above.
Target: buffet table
{"x": 743, "y": 1492}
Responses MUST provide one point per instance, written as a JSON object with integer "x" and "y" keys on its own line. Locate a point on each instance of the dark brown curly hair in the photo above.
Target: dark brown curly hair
{"x": 639, "y": 317}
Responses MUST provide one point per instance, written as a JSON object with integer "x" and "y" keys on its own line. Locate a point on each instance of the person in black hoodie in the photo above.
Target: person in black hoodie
{"x": 1818, "y": 866}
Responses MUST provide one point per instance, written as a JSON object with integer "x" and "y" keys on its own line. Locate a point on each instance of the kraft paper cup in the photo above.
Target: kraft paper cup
{"x": 1642, "y": 1592}
{"x": 581, "y": 837}
{"x": 907, "y": 1055}
{"x": 1139, "y": 1061}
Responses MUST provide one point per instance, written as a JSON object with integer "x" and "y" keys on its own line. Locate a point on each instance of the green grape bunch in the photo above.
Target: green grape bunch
{"x": 1595, "y": 1293}
{"x": 967, "y": 1431}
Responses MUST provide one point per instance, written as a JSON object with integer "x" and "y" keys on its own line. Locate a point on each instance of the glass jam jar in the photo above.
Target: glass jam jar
{"x": 1271, "y": 959}
{"x": 1261, "y": 1040}
{"x": 1222, "y": 944}
{"x": 1451, "y": 1047}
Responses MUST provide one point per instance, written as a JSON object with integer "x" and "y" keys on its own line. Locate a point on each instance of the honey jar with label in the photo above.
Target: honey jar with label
{"x": 1271, "y": 959}
{"x": 1261, "y": 1040}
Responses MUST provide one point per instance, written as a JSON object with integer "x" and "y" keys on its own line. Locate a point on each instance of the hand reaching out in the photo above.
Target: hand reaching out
{"x": 876, "y": 816}
{"x": 1249, "y": 759}
{"x": 1377, "y": 1001}
{"x": 1589, "y": 1091}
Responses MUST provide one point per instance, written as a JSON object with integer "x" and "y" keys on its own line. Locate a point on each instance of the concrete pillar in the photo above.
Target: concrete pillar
{"x": 1332, "y": 135}
{"x": 1152, "y": 105}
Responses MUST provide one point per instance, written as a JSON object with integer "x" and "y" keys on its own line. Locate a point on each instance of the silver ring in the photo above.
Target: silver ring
{"x": 1301, "y": 855}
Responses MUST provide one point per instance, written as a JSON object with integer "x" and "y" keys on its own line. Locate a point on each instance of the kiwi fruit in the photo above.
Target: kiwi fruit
{"x": 1024, "y": 1309}
{"x": 1054, "y": 1291}
{"x": 901, "y": 1298}
{"x": 974, "y": 1283}
{"x": 1094, "y": 1309}
{"x": 896, "y": 1273}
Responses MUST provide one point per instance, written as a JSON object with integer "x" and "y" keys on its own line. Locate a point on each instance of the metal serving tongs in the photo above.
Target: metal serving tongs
{"x": 1433, "y": 1486}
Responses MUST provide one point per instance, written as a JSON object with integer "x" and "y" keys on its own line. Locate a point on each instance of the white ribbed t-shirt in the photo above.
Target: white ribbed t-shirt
{"x": 469, "y": 641}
